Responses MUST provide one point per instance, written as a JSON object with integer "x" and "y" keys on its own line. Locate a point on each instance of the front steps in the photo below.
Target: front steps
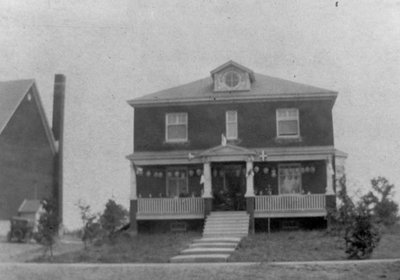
{"x": 222, "y": 234}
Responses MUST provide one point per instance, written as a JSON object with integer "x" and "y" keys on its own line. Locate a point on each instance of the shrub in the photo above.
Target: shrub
{"x": 362, "y": 235}
{"x": 91, "y": 228}
{"x": 48, "y": 225}
{"x": 113, "y": 218}
{"x": 355, "y": 224}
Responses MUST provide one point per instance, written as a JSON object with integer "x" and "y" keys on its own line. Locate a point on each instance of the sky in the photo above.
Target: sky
{"x": 116, "y": 50}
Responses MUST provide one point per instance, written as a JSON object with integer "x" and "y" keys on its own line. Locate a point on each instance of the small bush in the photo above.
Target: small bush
{"x": 362, "y": 235}
{"x": 91, "y": 229}
{"x": 355, "y": 224}
{"x": 113, "y": 218}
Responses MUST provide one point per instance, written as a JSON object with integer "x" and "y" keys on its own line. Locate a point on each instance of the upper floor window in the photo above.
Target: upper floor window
{"x": 176, "y": 127}
{"x": 287, "y": 122}
{"x": 231, "y": 125}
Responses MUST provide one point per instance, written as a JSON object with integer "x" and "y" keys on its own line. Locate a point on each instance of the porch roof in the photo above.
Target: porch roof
{"x": 218, "y": 153}
{"x": 227, "y": 152}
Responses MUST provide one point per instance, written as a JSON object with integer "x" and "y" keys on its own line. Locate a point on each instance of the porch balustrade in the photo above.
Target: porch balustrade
{"x": 290, "y": 203}
{"x": 171, "y": 206}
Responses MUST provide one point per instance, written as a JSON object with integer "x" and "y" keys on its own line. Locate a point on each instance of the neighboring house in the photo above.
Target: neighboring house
{"x": 235, "y": 141}
{"x": 30, "y": 151}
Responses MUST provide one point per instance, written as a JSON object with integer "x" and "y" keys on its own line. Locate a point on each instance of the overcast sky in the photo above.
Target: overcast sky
{"x": 112, "y": 51}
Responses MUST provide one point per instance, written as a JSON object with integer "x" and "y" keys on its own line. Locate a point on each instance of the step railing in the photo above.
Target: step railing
{"x": 279, "y": 203}
{"x": 185, "y": 205}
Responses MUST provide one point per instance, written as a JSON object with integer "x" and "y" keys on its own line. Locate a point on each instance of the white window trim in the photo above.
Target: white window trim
{"x": 289, "y": 165}
{"x": 172, "y": 170}
{"x": 228, "y": 122}
{"x": 166, "y": 128}
{"x": 287, "y": 118}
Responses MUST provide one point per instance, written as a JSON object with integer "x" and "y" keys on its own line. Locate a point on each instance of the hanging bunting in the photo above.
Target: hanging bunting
{"x": 256, "y": 169}
{"x": 266, "y": 170}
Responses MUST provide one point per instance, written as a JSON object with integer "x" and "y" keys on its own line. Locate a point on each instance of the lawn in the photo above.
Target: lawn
{"x": 144, "y": 248}
{"x": 260, "y": 247}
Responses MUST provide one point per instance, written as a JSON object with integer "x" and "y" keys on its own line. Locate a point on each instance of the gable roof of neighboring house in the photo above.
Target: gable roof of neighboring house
{"x": 30, "y": 206}
{"x": 12, "y": 93}
{"x": 263, "y": 87}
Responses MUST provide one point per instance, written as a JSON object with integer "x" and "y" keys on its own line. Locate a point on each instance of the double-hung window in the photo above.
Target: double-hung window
{"x": 176, "y": 127}
{"x": 287, "y": 122}
{"x": 231, "y": 125}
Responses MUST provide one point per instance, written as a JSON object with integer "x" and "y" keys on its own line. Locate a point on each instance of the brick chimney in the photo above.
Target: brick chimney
{"x": 58, "y": 133}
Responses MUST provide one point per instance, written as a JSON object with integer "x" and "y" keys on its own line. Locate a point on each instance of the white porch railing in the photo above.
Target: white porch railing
{"x": 168, "y": 206}
{"x": 289, "y": 203}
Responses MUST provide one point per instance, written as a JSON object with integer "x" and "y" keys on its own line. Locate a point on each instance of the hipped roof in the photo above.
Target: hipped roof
{"x": 263, "y": 87}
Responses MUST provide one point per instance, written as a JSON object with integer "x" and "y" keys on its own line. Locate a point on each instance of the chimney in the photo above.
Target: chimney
{"x": 58, "y": 133}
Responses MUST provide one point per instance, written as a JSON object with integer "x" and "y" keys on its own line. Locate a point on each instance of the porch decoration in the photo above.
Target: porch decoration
{"x": 139, "y": 171}
{"x": 160, "y": 174}
{"x": 307, "y": 169}
{"x": 221, "y": 173}
{"x": 183, "y": 175}
{"x": 169, "y": 174}
{"x": 191, "y": 172}
{"x": 256, "y": 169}
{"x": 215, "y": 173}
{"x": 199, "y": 172}
{"x": 148, "y": 173}
{"x": 265, "y": 170}
{"x": 312, "y": 169}
{"x": 273, "y": 173}
{"x": 177, "y": 174}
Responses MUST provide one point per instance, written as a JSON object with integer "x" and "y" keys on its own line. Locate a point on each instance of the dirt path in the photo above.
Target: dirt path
{"x": 309, "y": 271}
{"x": 22, "y": 252}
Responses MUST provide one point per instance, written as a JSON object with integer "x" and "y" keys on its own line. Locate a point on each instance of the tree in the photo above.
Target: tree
{"x": 91, "y": 228}
{"x": 48, "y": 225}
{"x": 380, "y": 201}
{"x": 113, "y": 217}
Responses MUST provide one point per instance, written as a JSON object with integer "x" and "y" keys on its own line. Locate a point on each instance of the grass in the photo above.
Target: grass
{"x": 289, "y": 246}
{"x": 145, "y": 248}
{"x": 260, "y": 247}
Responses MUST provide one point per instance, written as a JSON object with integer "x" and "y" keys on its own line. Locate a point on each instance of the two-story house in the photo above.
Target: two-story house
{"x": 236, "y": 141}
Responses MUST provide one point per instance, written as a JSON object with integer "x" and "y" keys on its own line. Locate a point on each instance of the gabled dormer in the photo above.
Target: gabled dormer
{"x": 232, "y": 76}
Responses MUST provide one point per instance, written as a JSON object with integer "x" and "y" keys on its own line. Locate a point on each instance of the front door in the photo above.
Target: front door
{"x": 229, "y": 187}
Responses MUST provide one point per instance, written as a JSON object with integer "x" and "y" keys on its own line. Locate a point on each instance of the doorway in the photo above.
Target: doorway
{"x": 229, "y": 187}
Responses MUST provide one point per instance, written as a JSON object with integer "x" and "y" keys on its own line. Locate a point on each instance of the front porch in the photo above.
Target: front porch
{"x": 231, "y": 178}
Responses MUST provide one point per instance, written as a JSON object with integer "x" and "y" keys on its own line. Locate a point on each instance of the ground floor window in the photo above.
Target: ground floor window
{"x": 177, "y": 182}
{"x": 290, "y": 178}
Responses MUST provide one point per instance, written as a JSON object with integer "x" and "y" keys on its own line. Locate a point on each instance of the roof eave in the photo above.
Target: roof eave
{"x": 212, "y": 99}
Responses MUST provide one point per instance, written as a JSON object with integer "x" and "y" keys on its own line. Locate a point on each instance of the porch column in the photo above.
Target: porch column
{"x": 250, "y": 192}
{"x": 329, "y": 177}
{"x": 207, "y": 185}
{"x": 133, "y": 201}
